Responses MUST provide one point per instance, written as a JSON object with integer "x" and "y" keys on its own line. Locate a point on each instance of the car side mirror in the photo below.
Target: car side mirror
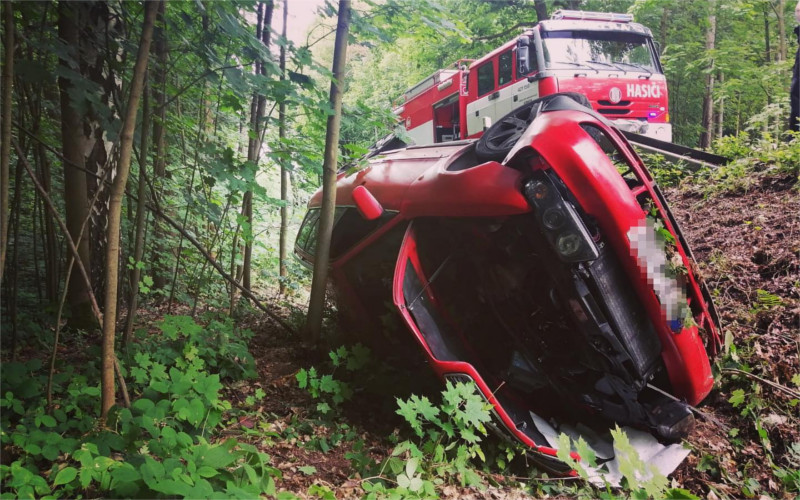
{"x": 368, "y": 206}
{"x": 523, "y": 55}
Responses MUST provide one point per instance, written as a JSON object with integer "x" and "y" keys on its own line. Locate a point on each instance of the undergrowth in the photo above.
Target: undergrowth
{"x": 162, "y": 446}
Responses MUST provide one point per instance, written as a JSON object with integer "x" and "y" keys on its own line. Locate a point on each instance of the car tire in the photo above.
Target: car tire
{"x": 500, "y": 138}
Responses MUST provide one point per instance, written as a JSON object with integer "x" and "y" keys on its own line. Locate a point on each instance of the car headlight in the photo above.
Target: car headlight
{"x": 561, "y": 224}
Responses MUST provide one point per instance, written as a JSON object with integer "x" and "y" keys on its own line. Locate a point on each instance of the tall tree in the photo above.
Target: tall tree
{"x": 5, "y": 143}
{"x": 115, "y": 210}
{"x": 316, "y": 303}
{"x": 282, "y": 252}
{"x": 73, "y": 144}
{"x": 541, "y": 10}
{"x": 708, "y": 98}
{"x": 159, "y": 90}
{"x": 257, "y": 111}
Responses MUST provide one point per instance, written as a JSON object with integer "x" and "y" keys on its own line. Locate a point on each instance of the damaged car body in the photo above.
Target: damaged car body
{"x": 540, "y": 262}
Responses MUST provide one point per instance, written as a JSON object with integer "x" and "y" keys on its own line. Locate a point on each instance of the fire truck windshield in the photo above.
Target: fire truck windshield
{"x": 598, "y": 50}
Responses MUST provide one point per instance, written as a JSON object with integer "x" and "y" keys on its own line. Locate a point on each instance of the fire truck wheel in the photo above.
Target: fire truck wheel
{"x": 500, "y": 138}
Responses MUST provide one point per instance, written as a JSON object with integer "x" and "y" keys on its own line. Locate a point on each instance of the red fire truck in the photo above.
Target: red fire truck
{"x": 605, "y": 56}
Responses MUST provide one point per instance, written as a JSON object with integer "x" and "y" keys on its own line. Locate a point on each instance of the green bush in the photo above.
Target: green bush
{"x": 157, "y": 448}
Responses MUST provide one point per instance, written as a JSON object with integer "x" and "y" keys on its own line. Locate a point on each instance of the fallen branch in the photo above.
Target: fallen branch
{"x": 770, "y": 383}
{"x": 245, "y": 291}
{"x": 68, "y": 238}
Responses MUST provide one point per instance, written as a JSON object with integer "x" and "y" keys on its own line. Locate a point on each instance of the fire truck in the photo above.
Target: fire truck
{"x": 604, "y": 56}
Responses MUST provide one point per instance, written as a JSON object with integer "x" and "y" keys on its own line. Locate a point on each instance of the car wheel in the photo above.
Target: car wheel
{"x": 501, "y": 137}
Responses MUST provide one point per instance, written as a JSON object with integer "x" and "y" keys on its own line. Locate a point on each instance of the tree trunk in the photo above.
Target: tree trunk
{"x": 721, "y": 110}
{"x": 141, "y": 193}
{"x": 541, "y": 10}
{"x": 5, "y": 143}
{"x": 159, "y": 270}
{"x": 75, "y": 192}
{"x": 767, "y": 49}
{"x": 316, "y": 303}
{"x": 265, "y": 10}
{"x": 708, "y": 98}
{"x": 782, "y": 46}
{"x": 51, "y": 254}
{"x": 282, "y": 252}
{"x": 115, "y": 211}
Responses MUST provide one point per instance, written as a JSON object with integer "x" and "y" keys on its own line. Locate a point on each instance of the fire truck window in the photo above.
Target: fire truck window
{"x": 486, "y": 78}
{"x": 505, "y": 69}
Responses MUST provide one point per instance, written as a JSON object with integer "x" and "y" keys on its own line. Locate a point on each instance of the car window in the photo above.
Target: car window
{"x": 504, "y": 69}
{"x": 351, "y": 228}
{"x": 308, "y": 228}
{"x": 486, "y": 78}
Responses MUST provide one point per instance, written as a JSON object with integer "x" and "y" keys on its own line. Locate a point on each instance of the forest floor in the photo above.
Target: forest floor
{"x": 747, "y": 244}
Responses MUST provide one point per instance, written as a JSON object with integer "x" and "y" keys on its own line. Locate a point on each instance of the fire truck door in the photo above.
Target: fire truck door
{"x": 485, "y": 104}
{"x": 505, "y": 77}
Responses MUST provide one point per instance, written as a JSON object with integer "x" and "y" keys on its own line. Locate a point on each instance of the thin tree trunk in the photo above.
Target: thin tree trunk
{"x": 263, "y": 31}
{"x": 5, "y": 143}
{"x": 708, "y": 98}
{"x": 13, "y": 275}
{"x": 108, "y": 390}
{"x": 51, "y": 240}
{"x": 782, "y": 46}
{"x": 541, "y": 10}
{"x": 75, "y": 192}
{"x": 721, "y": 109}
{"x": 282, "y": 252}
{"x": 767, "y": 49}
{"x": 159, "y": 270}
{"x": 141, "y": 193}
{"x": 316, "y": 303}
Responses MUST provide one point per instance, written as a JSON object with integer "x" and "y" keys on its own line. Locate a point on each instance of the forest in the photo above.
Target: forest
{"x": 159, "y": 339}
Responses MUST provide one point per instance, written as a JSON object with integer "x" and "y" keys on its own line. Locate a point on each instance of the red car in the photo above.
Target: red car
{"x": 540, "y": 262}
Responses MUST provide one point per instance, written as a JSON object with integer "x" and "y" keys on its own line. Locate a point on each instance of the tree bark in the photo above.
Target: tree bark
{"x": 282, "y": 252}
{"x": 5, "y": 143}
{"x": 316, "y": 303}
{"x": 721, "y": 108}
{"x": 108, "y": 390}
{"x": 708, "y": 98}
{"x": 263, "y": 32}
{"x": 767, "y": 48}
{"x": 159, "y": 270}
{"x": 782, "y": 46}
{"x": 541, "y": 10}
{"x": 141, "y": 194}
{"x": 75, "y": 192}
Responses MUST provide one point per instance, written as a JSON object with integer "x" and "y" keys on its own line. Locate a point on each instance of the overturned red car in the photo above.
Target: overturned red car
{"x": 540, "y": 262}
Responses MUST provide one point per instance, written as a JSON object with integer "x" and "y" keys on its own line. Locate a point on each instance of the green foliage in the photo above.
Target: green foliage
{"x": 665, "y": 172}
{"x": 449, "y": 437}
{"x": 157, "y": 448}
{"x": 329, "y": 392}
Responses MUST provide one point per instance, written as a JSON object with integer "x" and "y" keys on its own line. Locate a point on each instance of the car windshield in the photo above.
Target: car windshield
{"x": 626, "y": 52}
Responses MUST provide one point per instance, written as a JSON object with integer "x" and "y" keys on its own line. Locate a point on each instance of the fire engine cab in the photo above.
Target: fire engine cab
{"x": 605, "y": 56}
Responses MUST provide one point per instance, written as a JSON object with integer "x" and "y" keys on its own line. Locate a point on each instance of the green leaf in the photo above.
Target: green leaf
{"x": 125, "y": 473}
{"x": 206, "y": 471}
{"x": 48, "y": 421}
{"x": 737, "y": 398}
{"x": 302, "y": 378}
{"x": 65, "y": 476}
{"x": 308, "y": 470}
